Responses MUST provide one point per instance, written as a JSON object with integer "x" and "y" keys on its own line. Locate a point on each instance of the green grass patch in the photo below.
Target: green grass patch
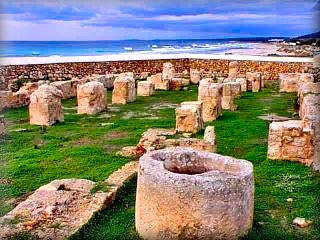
{"x": 85, "y": 146}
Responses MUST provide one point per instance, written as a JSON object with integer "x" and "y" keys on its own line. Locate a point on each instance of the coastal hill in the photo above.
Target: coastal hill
{"x": 313, "y": 38}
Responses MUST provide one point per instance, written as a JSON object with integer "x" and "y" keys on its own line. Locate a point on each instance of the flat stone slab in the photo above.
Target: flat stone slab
{"x": 60, "y": 209}
{"x": 273, "y": 118}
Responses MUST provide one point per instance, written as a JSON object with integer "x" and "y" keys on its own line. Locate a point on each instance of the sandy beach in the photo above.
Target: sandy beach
{"x": 261, "y": 52}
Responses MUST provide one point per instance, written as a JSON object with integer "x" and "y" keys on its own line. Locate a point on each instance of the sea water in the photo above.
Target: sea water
{"x": 96, "y": 48}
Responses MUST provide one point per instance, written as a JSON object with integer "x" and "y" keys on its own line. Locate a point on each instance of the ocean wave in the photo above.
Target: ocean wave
{"x": 128, "y": 48}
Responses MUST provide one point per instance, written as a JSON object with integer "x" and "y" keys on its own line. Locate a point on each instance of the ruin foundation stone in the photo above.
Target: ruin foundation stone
{"x": 230, "y": 91}
{"x": 183, "y": 193}
{"x": 234, "y": 68}
{"x": 243, "y": 84}
{"x": 291, "y": 140}
{"x": 91, "y": 98}
{"x": 176, "y": 84}
{"x": 255, "y": 81}
{"x": 195, "y": 76}
{"x": 210, "y": 94}
{"x": 289, "y": 82}
{"x": 124, "y": 90}
{"x": 68, "y": 88}
{"x": 310, "y": 105}
{"x": 168, "y": 71}
{"x": 45, "y": 106}
{"x": 145, "y": 88}
{"x": 159, "y": 82}
{"x": 2, "y": 126}
{"x": 189, "y": 117}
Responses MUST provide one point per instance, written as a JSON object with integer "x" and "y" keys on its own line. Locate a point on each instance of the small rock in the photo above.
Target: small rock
{"x": 187, "y": 135}
{"x": 106, "y": 124}
{"x": 301, "y": 222}
{"x": 185, "y": 89}
{"x": 19, "y": 130}
{"x": 289, "y": 200}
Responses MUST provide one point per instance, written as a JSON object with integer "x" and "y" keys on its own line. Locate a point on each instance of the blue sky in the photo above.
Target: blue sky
{"x": 165, "y": 19}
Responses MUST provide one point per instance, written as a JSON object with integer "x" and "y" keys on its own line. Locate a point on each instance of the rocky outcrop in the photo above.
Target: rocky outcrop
{"x": 91, "y": 98}
{"x": 45, "y": 106}
{"x": 187, "y": 194}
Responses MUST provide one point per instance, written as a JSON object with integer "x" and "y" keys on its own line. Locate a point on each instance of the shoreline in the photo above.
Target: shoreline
{"x": 135, "y": 57}
{"x": 260, "y": 52}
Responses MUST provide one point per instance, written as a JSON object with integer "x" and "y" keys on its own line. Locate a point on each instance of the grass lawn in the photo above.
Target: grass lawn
{"x": 85, "y": 146}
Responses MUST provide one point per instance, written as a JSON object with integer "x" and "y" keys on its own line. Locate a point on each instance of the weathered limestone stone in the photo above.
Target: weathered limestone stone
{"x": 255, "y": 80}
{"x": 144, "y": 75}
{"x": 291, "y": 140}
{"x": 189, "y": 117}
{"x": 310, "y": 105}
{"x": 175, "y": 84}
{"x": 289, "y": 82}
{"x": 195, "y": 76}
{"x": 211, "y": 96}
{"x": 145, "y": 88}
{"x": 168, "y": 71}
{"x": 45, "y": 106}
{"x": 243, "y": 84}
{"x": 91, "y": 98}
{"x": 159, "y": 82}
{"x": 187, "y": 194}
{"x": 234, "y": 67}
{"x": 307, "y": 88}
{"x": 210, "y": 137}
{"x": 124, "y": 90}
{"x": 68, "y": 88}
{"x": 68, "y": 204}
{"x": 2, "y": 126}
{"x": 230, "y": 91}
{"x": 107, "y": 80}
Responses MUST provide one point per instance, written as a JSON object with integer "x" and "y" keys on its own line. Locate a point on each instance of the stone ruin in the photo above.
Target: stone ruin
{"x": 234, "y": 69}
{"x": 159, "y": 82}
{"x": 124, "y": 90}
{"x": 298, "y": 140}
{"x": 255, "y": 81}
{"x": 210, "y": 94}
{"x": 91, "y": 98}
{"x": 243, "y": 84}
{"x": 189, "y": 117}
{"x": 187, "y": 194}
{"x": 45, "y": 106}
{"x": 195, "y": 76}
{"x": 289, "y": 82}
{"x": 230, "y": 91}
{"x": 145, "y": 88}
{"x": 157, "y": 138}
{"x": 290, "y": 140}
{"x": 68, "y": 88}
{"x": 2, "y": 126}
{"x": 168, "y": 71}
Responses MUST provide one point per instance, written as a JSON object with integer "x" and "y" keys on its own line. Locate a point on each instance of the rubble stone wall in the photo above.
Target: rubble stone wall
{"x": 66, "y": 71}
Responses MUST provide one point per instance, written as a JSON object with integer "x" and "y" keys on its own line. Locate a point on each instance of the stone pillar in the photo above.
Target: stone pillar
{"x": 2, "y": 126}
{"x": 310, "y": 105}
{"x": 168, "y": 71}
{"x": 175, "y": 84}
{"x": 255, "y": 80}
{"x": 189, "y": 117}
{"x": 209, "y": 138}
{"x": 159, "y": 82}
{"x": 243, "y": 84}
{"x": 45, "y": 106}
{"x": 291, "y": 140}
{"x": 211, "y": 96}
{"x": 124, "y": 90}
{"x": 188, "y": 194}
{"x": 230, "y": 91}
{"x": 195, "y": 76}
{"x": 91, "y": 98}
{"x": 145, "y": 88}
{"x": 234, "y": 69}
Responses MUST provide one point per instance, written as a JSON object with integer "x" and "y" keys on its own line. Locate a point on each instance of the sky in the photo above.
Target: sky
{"x": 48, "y": 20}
